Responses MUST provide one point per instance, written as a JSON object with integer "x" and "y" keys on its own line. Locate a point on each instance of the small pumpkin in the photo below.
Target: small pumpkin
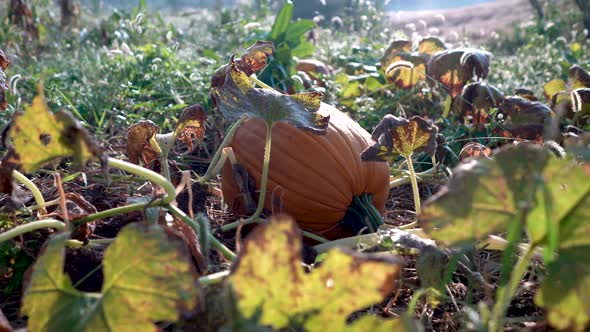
{"x": 318, "y": 179}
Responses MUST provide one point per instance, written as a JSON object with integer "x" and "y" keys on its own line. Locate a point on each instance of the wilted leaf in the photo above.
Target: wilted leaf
{"x": 570, "y": 204}
{"x": 483, "y": 196}
{"x": 238, "y": 96}
{"x": 578, "y": 77}
{"x": 4, "y": 62}
{"x": 565, "y": 293}
{"x": 571, "y": 97}
{"x": 138, "y": 142}
{"x": 475, "y": 150}
{"x": 38, "y": 136}
{"x": 453, "y": 68}
{"x": 526, "y": 94}
{"x": 431, "y": 45}
{"x": 477, "y": 99}
{"x": 147, "y": 278}
{"x": 255, "y": 57}
{"x": 408, "y": 72}
{"x": 395, "y": 136}
{"x": 524, "y": 119}
{"x": 78, "y": 207}
{"x": 406, "y": 68}
{"x": 191, "y": 125}
{"x": 269, "y": 281}
{"x": 185, "y": 233}
{"x": 392, "y": 53}
{"x": 553, "y": 87}
{"x": 581, "y": 101}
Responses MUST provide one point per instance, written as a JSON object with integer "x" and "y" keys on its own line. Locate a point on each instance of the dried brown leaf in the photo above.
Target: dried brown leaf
{"x": 78, "y": 207}
{"x": 191, "y": 125}
{"x": 138, "y": 142}
{"x": 475, "y": 150}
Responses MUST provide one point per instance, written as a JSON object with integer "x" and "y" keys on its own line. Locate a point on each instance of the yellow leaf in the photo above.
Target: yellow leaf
{"x": 269, "y": 280}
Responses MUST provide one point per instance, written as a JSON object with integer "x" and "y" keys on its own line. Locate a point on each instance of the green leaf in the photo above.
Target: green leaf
{"x": 238, "y": 96}
{"x": 148, "y": 277}
{"x": 351, "y": 90}
{"x": 570, "y": 204}
{"x": 565, "y": 293}
{"x": 303, "y": 49}
{"x": 395, "y": 136}
{"x": 553, "y": 87}
{"x": 268, "y": 280}
{"x": 484, "y": 196}
{"x": 297, "y": 30}
{"x": 37, "y": 137}
{"x": 282, "y": 22}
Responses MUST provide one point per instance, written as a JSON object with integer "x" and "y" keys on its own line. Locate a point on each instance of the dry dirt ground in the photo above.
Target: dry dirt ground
{"x": 478, "y": 22}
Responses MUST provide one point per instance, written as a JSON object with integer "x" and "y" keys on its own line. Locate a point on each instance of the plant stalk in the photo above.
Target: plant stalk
{"x": 144, "y": 173}
{"x": 506, "y": 293}
{"x": 414, "y": 183}
{"x": 18, "y": 176}
{"x": 213, "y": 278}
{"x": 263, "y": 182}
{"x": 32, "y": 226}
{"x": 226, "y": 140}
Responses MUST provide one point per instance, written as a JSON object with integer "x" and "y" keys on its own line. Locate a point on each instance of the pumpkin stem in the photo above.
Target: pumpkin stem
{"x": 362, "y": 215}
{"x": 215, "y": 160}
{"x": 264, "y": 177}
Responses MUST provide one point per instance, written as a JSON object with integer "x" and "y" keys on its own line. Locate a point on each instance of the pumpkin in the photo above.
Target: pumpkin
{"x": 318, "y": 179}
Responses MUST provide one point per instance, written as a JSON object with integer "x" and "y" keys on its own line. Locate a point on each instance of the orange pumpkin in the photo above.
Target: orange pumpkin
{"x": 314, "y": 178}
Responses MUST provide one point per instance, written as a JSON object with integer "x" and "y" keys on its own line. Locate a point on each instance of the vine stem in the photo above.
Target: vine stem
{"x": 400, "y": 181}
{"x": 414, "y": 183}
{"x": 144, "y": 173}
{"x": 213, "y": 278}
{"x": 18, "y": 176}
{"x": 506, "y": 293}
{"x": 32, "y": 226}
{"x": 226, "y": 140}
{"x": 165, "y": 143}
{"x": 263, "y": 182}
{"x": 163, "y": 201}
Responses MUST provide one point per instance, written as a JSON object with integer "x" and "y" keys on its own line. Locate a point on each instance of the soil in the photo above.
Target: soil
{"x": 478, "y": 22}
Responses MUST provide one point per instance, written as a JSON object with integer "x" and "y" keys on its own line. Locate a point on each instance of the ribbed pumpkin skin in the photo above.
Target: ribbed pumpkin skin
{"x": 314, "y": 177}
